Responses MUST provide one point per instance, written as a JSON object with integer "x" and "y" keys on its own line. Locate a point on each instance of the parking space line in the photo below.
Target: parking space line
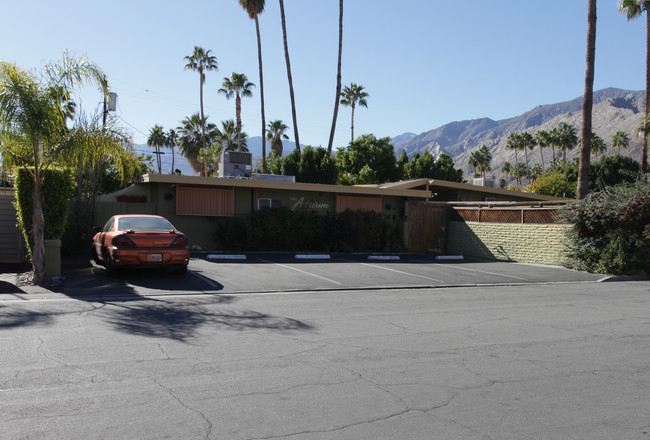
{"x": 301, "y": 271}
{"x": 490, "y": 273}
{"x": 402, "y": 272}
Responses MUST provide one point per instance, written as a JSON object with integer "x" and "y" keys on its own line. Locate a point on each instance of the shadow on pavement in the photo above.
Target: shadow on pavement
{"x": 7, "y": 287}
{"x": 10, "y": 317}
{"x": 180, "y": 319}
{"x": 82, "y": 278}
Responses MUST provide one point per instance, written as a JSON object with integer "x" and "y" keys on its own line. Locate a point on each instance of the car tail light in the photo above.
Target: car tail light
{"x": 122, "y": 241}
{"x": 180, "y": 241}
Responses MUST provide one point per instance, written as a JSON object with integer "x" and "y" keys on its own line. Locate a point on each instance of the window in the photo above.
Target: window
{"x": 109, "y": 224}
{"x": 268, "y": 203}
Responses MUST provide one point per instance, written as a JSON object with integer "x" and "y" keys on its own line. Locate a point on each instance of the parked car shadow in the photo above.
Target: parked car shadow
{"x": 179, "y": 319}
{"x": 83, "y": 278}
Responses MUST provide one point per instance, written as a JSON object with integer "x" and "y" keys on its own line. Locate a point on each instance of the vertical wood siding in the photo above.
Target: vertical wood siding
{"x": 205, "y": 202}
{"x": 358, "y": 203}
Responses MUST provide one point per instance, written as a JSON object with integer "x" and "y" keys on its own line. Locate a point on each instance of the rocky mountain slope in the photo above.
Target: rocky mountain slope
{"x": 614, "y": 110}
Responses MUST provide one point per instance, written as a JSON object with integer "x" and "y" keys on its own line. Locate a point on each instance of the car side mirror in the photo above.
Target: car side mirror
{"x": 98, "y": 229}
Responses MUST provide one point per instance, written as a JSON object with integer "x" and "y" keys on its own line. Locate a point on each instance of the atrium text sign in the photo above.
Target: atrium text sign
{"x": 296, "y": 203}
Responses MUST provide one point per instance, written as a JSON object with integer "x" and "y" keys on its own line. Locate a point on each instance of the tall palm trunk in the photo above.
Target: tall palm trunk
{"x": 526, "y": 156}
{"x": 202, "y": 115}
{"x": 338, "y": 80}
{"x": 553, "y": 156}
{"x": 238, "y": 111}
{"x": 587, "y": 104}
{"x": 259, "y": 59}
{"x": 644, "y": 146}
{"x": 352, "y": 124}
{"x": 517, "y": 177}
{"x": 286, "y": 57}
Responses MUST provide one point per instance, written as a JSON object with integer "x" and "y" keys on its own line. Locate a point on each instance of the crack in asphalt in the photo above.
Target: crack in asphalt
{"x": 184, "y": 405}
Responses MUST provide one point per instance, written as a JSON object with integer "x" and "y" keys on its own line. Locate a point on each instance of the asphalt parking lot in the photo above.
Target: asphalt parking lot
{"x": 259, "y": 273}
{"x": 345, "y": 348}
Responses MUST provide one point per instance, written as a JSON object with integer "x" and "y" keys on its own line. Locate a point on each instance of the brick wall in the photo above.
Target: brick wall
{"x": 524, "y": 243}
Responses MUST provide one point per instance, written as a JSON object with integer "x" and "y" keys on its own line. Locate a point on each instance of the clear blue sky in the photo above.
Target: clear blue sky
{"x": 423, "y": 62}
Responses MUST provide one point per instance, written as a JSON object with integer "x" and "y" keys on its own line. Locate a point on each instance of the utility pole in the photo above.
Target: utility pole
{"x": 110, "y": 102}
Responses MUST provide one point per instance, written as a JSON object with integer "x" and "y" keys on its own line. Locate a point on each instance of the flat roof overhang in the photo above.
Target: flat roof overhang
{"x": 287, "y": 186}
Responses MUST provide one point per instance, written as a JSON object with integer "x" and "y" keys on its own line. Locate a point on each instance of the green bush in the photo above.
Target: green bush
{"x": 609, "y": 233}
{"x": 57, "y": 187}
{"x": 288, "y": 231}
{"x": 553, "y": 183}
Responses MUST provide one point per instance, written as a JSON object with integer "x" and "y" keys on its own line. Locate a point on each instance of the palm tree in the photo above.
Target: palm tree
{"x": 555, "y": 139}
{"x": 621, "y": 139}
{"x": 527, "y": 142}
{"x": 480, "y": 159}
{"x": 474, "y": 161}
{"x": 485, "y": 159}
{"x": 338, "y": 80}
{"x": 543, "y": 140}
{"x": 506, "y": 169}
{"x": 156, "y": 140}
{"x": 598, "y": 145}
{"x": 255, "y": 8}
{"x": 587, "y": 104}
{"x": 31, "y": 116}
{"x": 351, "y": 96}
{"x": 535, "y": 171}
{"x": 227, "y": 136}
{"x": 634, "y": 9}
{"x": 568, "y": 139}
{"x": 518, "y": 172}
{"x": 275, "y": 136}
{"x": 237, "y": 85}
{"x": 513, "y": 143}
{"x": 210, "y": 155}
{"x": 286, "y": 57}
{"x": 171, "y": 140}
{"x": 201, "y": 61}
{"x": 67, "y": 105}
{"x": 190, "y": 139}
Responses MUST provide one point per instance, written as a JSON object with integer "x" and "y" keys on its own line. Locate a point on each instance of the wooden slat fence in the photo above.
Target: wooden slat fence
{"x": 538, "y": 213}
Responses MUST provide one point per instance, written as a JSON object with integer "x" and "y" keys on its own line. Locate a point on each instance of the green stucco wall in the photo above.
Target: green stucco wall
{"x": 524, "y": 243}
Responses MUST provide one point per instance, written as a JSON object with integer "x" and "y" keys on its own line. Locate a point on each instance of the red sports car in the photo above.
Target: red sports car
{"x": 140, "y": 241}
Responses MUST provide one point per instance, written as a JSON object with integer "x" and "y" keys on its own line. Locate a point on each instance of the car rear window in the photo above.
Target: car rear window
{"x": 144, "y": 223}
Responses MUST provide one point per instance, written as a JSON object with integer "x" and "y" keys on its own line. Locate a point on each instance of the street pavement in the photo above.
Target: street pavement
{"x": 273, "y": 348}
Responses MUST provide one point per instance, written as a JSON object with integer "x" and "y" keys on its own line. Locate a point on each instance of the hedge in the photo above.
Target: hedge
{"x": 284, "y": 230}
{"x": 57, "y": 186}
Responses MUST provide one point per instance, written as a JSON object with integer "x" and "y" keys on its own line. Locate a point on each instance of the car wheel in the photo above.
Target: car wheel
{"x": 93, "y": 254}
{"x": 110, "y": 266}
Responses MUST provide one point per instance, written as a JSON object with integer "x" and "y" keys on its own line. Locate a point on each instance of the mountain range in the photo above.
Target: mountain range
{"x": 614, "y": 110}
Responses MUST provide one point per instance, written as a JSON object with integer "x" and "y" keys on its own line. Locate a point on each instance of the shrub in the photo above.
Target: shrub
{"x": 553, "y": 183}
{"x": 285, "y": 230}
{"x": 57, "y": 187}
{"x": 609, "y": 233}
{"x": 613, "y": 170}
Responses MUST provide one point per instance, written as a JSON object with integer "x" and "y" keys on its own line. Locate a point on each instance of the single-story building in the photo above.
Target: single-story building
{"x": 191, "y": 202}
